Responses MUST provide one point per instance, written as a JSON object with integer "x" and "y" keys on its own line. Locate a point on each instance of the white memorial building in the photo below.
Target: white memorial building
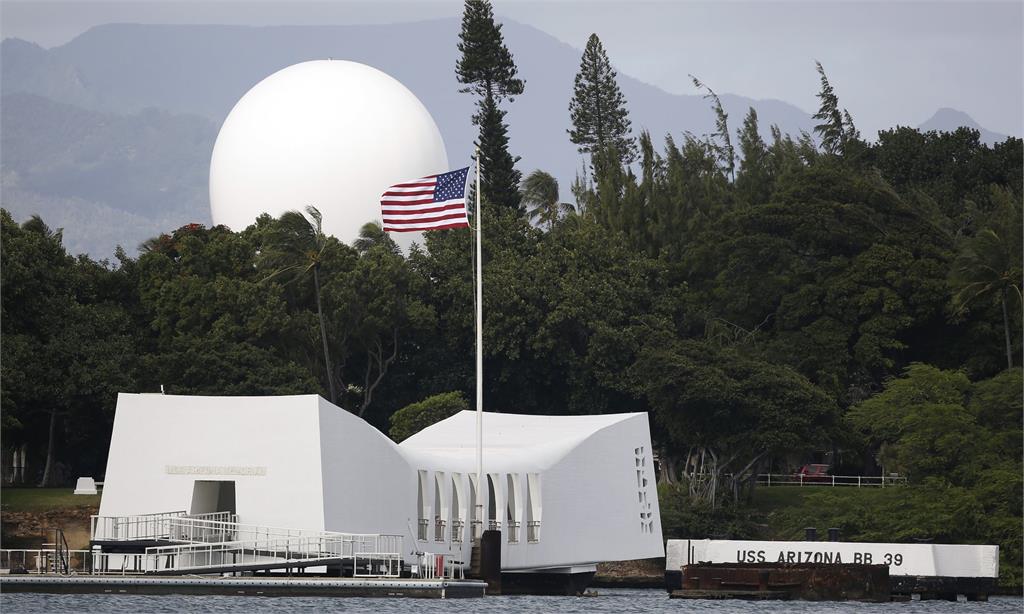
{"x": 566, "y": 492}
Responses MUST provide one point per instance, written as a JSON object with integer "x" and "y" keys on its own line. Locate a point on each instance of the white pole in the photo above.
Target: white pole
{"x": 481, "y": 486}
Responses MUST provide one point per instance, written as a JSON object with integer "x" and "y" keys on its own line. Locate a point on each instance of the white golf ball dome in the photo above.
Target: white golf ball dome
{"x": 329, "y": 133}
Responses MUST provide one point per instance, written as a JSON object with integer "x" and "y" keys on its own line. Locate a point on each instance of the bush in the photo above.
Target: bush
{"x": 682, "y": 518}
{"x": 413, "y": 418}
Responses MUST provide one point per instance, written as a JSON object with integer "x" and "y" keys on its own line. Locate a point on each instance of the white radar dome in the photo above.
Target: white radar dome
{"x": 329, "y": 133}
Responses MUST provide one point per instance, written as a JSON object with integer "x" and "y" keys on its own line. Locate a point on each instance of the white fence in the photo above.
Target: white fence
{"x": 215, "y": 541}
{"x": 146, "y": 527}
{"x": 432, "y": 566}
{"x": 782, "y": 479}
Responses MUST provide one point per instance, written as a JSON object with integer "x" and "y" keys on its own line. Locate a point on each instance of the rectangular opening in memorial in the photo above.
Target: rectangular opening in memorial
{"x": 213, "y": 496}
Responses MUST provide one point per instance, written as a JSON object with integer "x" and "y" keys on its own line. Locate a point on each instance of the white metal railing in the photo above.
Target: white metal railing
{"x": 780, "y": 479}
{"x": 202, "y": 530}
{"x": 433, "y": 566}
{"x": 377, "y": 565}
{"x": 217, "y": 540}
{"x": 457, "y": 526}
{"x": 494, "y": 525}
{"x": 475, "y": 530}
{"x": 439, "y": 530}
{"x": 533, "y": 531}
{"x": 215, "y": 527}
{"x": 147, "y": 527}
{"x": 44, "y": 560}
{"x": 513, "y": 531}
{"x": 421, "y": 530}
{"x": 281, "y": 553}
{"x": 132, "y": 528}
{"x": 118, "y": 564}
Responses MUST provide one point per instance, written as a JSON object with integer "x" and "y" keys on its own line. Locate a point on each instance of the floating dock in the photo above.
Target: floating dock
{"x": 263, "y": 587}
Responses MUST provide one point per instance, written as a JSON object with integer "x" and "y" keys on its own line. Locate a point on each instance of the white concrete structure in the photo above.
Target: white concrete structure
{"x": 329, "y": 133}
{"x": 86, "y": 486}
{"x": 566, "y": 492}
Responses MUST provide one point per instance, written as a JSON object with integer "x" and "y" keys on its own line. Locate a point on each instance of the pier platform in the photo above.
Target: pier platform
{"x": 264, "y": 587}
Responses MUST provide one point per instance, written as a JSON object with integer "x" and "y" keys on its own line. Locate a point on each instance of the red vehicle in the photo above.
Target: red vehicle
{"x": 814, "y": 472}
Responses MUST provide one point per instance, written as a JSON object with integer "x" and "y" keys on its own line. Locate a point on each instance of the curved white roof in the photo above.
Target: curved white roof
{"x": 510, "y": 440}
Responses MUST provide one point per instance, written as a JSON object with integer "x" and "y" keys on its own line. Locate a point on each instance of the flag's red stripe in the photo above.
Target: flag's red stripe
{"x": 413, "y": 193}
{"x": 386, "y": 212}
{"x": 442, "y": 227}
{"x": 399, "y": 203}
{"x": 450, "y": 216}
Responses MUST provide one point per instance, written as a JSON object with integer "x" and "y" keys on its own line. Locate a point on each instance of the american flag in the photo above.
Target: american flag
{"x": 428, "y": 203}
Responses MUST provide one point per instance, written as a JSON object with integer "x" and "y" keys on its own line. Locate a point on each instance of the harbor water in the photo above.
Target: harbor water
{"x": 611, "y": 601}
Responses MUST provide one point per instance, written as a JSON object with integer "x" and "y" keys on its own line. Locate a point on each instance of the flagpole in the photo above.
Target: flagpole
{"x": 481, "y": 487}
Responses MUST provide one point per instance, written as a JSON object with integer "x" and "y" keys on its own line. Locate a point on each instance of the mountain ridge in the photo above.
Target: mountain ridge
{"x": 947, "y": 119}
{"x": 196, "y": 73}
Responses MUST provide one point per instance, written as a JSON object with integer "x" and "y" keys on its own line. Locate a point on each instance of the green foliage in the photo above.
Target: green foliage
{"x": 720, "y": 142}
{"x": 67, "y": 344}
{"x": 988, "y": 266}
{"x": 959, "y": 443}
{"x": 753, "y": 182}
{"x": 499, "y": 182}
{"x": 598, "y": 108}
{"x": 486, "y": 66}
{"x": 927, "y": 424}
{"x": 836, "y": 129}
{"x": 540, "y": 193}
{"x": 413, "y": 418}
{"x": 684, "y": 518}
{"x": 295, "y": 246}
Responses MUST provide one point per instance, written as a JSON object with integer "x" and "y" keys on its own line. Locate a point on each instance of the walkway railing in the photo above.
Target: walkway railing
{"x": 45, "y": 560}
{"x": 432, "y": 566}
{"x": 217, "y": 542}
{"x": 879, "y": 481}
{"x": 147, "y": 527}
{"x": 343, "y": 544}
{"x": 457, "y": 526}
{"x": 142, "y": 527}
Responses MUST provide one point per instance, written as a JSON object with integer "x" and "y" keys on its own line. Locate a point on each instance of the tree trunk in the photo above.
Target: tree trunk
{"x": 323, "y": 332}
{"x": 668, "y": 467}
{"x": 1006, "y": 331}
{"x": 48, "y": 469}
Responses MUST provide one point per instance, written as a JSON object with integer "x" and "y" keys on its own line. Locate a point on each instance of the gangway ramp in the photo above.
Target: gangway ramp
{"x": 177, "y": 543}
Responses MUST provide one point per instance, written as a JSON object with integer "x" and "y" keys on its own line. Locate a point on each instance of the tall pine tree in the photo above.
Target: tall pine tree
{"x": 753, "y": 182}
{"x": 722, "y": 145}
{"x": 600, "y": 121}
{"x": 836, "y": 129}
{"x": 487, "y": 69}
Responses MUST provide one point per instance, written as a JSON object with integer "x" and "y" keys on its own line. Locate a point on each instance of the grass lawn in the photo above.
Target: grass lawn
{"x": 768, "y": 499}
{"x": 42, "y": 499}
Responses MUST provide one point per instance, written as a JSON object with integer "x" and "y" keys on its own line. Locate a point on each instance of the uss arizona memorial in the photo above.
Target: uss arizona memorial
{"x": 565, "y": 492}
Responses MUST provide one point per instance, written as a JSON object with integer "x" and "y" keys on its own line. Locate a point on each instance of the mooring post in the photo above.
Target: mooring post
{"x": 490, "y": 560}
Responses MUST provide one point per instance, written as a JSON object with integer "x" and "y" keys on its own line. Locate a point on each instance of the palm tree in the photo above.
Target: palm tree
{"x": 297, "y": 245}
{"x": 989, "y": 266}
{"x": 540, "y": 194}
{"x": 373, "y": 234}
{"x": 55, "y": 238}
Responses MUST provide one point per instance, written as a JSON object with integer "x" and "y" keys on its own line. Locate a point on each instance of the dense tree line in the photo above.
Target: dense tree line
{"x": 763, "y": 302}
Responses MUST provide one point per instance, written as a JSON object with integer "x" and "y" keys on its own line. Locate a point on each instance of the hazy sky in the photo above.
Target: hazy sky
{"x": 890, "y": 62}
